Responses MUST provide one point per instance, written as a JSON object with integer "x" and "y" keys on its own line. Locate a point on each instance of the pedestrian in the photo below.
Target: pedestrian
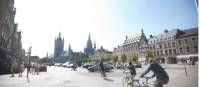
{"x": 13, "y": 68}
{"x": 102, "y": 69}
{"x": 193, "y": 61}
{"x": 28, "y": 70}
{"x": 37, "y": 69}
{"x": 21, "y": 69}
{"x": 161, "y": 75}
{"x": 132, "y": 70}
{"x": 74, "y": 66}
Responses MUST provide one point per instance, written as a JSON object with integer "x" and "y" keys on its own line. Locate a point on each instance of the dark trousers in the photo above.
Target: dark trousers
{"x": 161, "y": 82}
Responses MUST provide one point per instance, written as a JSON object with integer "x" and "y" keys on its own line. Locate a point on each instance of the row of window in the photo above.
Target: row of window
{"x": 186, "y": 41}
{"x": 188, "y": 49}
{"x": 165, "y": 52}
{"x": 160, "y": 46}
{"x": 162, "y": 39}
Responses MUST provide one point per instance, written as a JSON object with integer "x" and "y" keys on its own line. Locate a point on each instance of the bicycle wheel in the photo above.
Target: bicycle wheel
{"x": 135, "y": 84}
{"x": 125, "y": 81}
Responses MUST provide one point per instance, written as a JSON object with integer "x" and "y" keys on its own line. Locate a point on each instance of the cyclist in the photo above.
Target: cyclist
{"x": 132, "y": 70}
{"x": 102, "y": 69}
{"x": 161, "y": 75}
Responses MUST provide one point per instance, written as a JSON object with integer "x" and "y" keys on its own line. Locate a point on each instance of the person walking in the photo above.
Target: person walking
{"x": 37, "y": 68}
{"x": 161, "y": 75}
{"x": 21, "y": 69}
{"x": 28, "y": 71}
{"x": 13, "y": 68}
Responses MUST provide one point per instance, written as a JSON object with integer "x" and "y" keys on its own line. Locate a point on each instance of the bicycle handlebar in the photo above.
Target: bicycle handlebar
{"x": 147, "y": 77}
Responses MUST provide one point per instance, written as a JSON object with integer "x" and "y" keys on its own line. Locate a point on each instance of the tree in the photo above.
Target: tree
{"x": 87, "y": 59}
{"x": 135, "y": 57}
{"x": 148, "y": 55}
{"x": 115, "y": 58}
{"x": 103, "y": 59}
{"x": 123, "y": 58}
{"x": 108, "y": 58}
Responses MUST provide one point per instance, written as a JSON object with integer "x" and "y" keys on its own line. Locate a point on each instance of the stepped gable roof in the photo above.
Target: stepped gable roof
{"x": 133, "y": 39}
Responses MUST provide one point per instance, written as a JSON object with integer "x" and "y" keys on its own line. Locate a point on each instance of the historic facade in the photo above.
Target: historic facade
{"x": 187, "y": 43}
{"x": 61, "y": 55}
{"x": 10, "y": 39}
{"x": 137, "y": 44}
{"x": 163, "y": 46}
{"x": 169, "y": 46}
{"x": 100, "y": 53}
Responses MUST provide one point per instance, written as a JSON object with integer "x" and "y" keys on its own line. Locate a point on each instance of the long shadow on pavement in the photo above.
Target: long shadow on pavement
{"x": 108, "y": 79}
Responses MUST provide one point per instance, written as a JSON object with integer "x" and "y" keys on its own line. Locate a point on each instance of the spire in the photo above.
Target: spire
{"x": 47, "y": 56}
{"x": 89, "y": 42}
{"x": 89, "y": 48}
{"x": 70, "y": 50}
{"x": 59, "y": 34}
{"x": 89, "y": 39}
{"x": 142, "y": 30}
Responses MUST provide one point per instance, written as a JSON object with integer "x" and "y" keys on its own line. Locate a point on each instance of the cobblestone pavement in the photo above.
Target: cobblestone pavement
{"x": 65, "y": 77}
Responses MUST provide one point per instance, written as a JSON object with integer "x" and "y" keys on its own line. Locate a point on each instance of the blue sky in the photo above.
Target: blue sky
{"x": 108, "y": 21}
{"x": 155, "y": 15}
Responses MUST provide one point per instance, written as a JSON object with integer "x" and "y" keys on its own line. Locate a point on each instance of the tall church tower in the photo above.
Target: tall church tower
{"x": 70, "y": 51}
{"x": 89, "y": 48}
{"x": 58, "y": 46}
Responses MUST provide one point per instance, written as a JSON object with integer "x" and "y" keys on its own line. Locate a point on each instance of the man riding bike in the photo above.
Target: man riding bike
{"x": 132, "y": 70}
{"x": 102, "y": 69}
{"x": 161, "y": 75}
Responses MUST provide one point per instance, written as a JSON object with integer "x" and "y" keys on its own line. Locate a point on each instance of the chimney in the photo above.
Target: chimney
{"x": 166, "y": 31}
{"x": 126, "y": 37}
{"x": 151, "y": 36}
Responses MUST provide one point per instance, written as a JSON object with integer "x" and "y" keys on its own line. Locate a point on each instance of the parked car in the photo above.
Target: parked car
{"x": 110, "y": 64}
{"x": 57, "y": 64}
{"x": 137, "y": 65}
{"x": 65, "y": 64}
{"x": 70, "y": 65}
{"x": 96, "y": 67}
{"x": 86, "y": 65}
{"x": 119, "y": 65}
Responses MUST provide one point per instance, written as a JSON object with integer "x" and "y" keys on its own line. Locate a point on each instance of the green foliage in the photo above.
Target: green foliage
{"x": 87, "y": 59}
{"x": 103, "y": 59}
{"x": 115, "y": 58}
{"x": 40, "y": 61}
{"x": 148, "y": 55}
{"x": 135, "y": 57}
{"x": 107, "y": 58}
{"x": 123, "y": 58}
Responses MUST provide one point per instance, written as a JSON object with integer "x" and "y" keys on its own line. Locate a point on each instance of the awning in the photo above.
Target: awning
{"x": 186, "y": 56}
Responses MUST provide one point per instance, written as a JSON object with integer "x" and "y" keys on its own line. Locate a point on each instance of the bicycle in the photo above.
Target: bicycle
{"x": 146, "y": 83}
{"x": 128, "y": 81}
